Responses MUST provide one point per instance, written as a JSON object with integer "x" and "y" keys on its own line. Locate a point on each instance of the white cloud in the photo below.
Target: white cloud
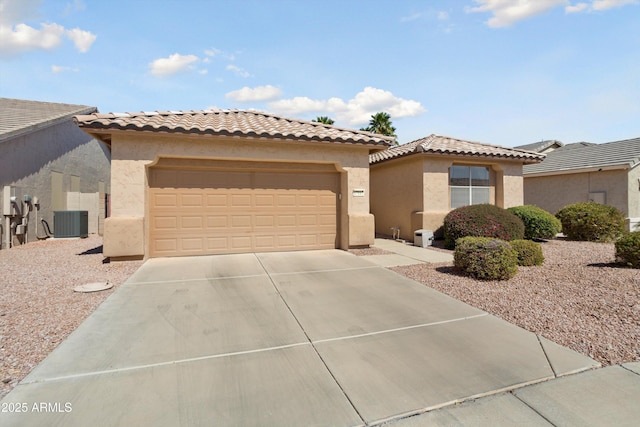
{"x": 24, "y": 38}
{"x": 356, "y": 111}
{"x": 608, "y": 4}
{"x": 74, "y": 6}
{"x": 575, "y": 8}
{"x": 60, "y": 69}
{"x": 16, "y": 36}
{"x": 443, "y": 16}
{"x": 508, "y": 12}
{"x": 411, "y": 17}
{"x": 256, "y": 94}
{"x": 238, "y": 71}
{"x": 82, "y": 39}
{"x": 173, "y": 64}
{"x": 14, "y": 12}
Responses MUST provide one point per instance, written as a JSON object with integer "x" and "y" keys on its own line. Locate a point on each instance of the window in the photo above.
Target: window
{"x": 469, "y": 185}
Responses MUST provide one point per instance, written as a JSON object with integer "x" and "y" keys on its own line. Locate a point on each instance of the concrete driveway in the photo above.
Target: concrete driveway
{"x": 319, "y": 338}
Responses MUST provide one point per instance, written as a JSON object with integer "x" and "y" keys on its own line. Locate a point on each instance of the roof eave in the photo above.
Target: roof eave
{"x": 104, "y": 134}
{"x": 459, "y": 154}
{"x": 622, "y": 166}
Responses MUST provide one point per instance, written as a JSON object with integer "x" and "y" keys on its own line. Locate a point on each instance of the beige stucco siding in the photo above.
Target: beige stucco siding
{"x": 396, "y": 192}
{"x": 60, "y": 165}
{"x": 512, "y": 185}
{"x": 133, "y": 153}
{"x": 413, "y": 192}
{"x": 633, "y": 192}
{"x": 554, "y": 192}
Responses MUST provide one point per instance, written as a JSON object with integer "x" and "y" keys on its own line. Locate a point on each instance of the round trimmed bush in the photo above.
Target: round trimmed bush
{"x": 628, "y": 249}
{"x": 485, "y": 258}
{"x": 481, "y": 221}
{"x": 592, "y": 222}
{"x": 529, "y": 253}
{"x": 538, "y": 223}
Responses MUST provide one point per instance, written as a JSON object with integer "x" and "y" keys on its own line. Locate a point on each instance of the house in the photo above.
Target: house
{"x": 542, "y": 147}
{"x": 47, "y": 164}
{"x": 604, "y": 173}
{"x": 219, "y": 181}
{"x": 415, "y": 185}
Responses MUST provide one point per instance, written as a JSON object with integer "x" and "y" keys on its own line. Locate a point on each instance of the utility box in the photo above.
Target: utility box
{"x": 423, "y": 238}
{"x": 70, "y": 224}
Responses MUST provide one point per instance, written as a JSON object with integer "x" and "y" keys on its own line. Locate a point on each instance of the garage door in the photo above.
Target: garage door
{"x": 198, "y": 212}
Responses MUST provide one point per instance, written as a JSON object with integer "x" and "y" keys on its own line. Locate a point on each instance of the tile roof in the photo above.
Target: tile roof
{"x": 227, "y": 123}
{"x": 438, "y": 144}
{"x": 18, "y": 116}
{"x": 540, "y": 146}
{"x": 573, "y": 157}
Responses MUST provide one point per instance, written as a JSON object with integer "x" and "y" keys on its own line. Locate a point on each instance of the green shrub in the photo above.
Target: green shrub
{"x": 481, "y": 221}
{"x": 628, "y": 249}
{"x": 485, "y": 258}
{"x": 591, "y": 222}
{"x": 529, "y": 253}
{"x": 538, "y": 223}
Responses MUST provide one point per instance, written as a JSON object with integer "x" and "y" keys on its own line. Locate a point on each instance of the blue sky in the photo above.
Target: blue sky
{"x": 506, "y": 72}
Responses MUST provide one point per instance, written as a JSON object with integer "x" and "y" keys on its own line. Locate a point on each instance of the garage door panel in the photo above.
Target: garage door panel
{"x": 231, "y": 211}
{"x": 240, "y": 200}
{"x": 268, "y": 221}
{"x": 165, "y": 223}
{"x": 164, "y": 200}
{"x": 241, "y": 243}
{"x": 216, "y": 200}
{"x": 191, "y": 222}
{"x": 286, "y": 200}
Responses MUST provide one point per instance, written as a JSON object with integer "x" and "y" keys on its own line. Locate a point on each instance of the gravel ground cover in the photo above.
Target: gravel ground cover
{"x": 579, "y": 298}
{"x": 38, "y": 307}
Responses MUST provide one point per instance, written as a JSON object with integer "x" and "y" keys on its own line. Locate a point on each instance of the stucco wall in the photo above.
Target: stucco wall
{"x": 27, "y": 163}
{"x": 552, "y": 193}
{"x": 633, "y": 191}
{"x": 413, "y": 192}
{"x": 133, "y": 153}
{"x": 396, "y": 192}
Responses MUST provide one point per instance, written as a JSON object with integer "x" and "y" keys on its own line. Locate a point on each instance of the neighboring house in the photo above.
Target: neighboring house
{"x": 214, "y": 181}
{"x": 542, "y": 147}
{"x": 43, "y": 155}
{"x": 415, "y": 185}
{"x": 604, "y": 173}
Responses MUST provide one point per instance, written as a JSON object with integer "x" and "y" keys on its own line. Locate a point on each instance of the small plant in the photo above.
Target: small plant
{"x": 485, "y": 258}
{"x": 593, "y": 222}
{"x": 481, "y": 221}
{"x": 529, "y": 253}
{"x": 538, "y": 223}
{"x": 628, "y": 249}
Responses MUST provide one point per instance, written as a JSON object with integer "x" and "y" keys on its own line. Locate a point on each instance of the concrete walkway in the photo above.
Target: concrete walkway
{"x": 320, "y": 338}
{"x": 405, "y": 254}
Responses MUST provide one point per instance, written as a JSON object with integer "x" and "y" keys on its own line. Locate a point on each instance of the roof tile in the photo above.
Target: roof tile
{"x": 578, "y": 156}
{"x": 18, "y": 116}
{"x": 229, "y": 123}
{"x": 438, "y": 144}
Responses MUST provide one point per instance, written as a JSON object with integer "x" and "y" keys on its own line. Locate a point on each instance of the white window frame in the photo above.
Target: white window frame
{"x": 470, "y": 187}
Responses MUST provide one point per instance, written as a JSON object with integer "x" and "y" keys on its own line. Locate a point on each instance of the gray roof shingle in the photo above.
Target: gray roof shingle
{"x": 438, "y": 144}
{"x": 226, "y": 123}
{"x": 540, "y": 146}
{"x": 623, "y": 154}
{"x": 18, "y": 116}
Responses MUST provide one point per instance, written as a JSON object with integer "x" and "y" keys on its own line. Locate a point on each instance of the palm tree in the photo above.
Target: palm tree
{"x": 324, "y": 120}
{"x": 381, "y": 123}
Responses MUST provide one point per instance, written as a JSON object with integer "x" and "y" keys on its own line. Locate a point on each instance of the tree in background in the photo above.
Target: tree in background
{"x": 324, "y": 120}
{"x": 380, "y": 123}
